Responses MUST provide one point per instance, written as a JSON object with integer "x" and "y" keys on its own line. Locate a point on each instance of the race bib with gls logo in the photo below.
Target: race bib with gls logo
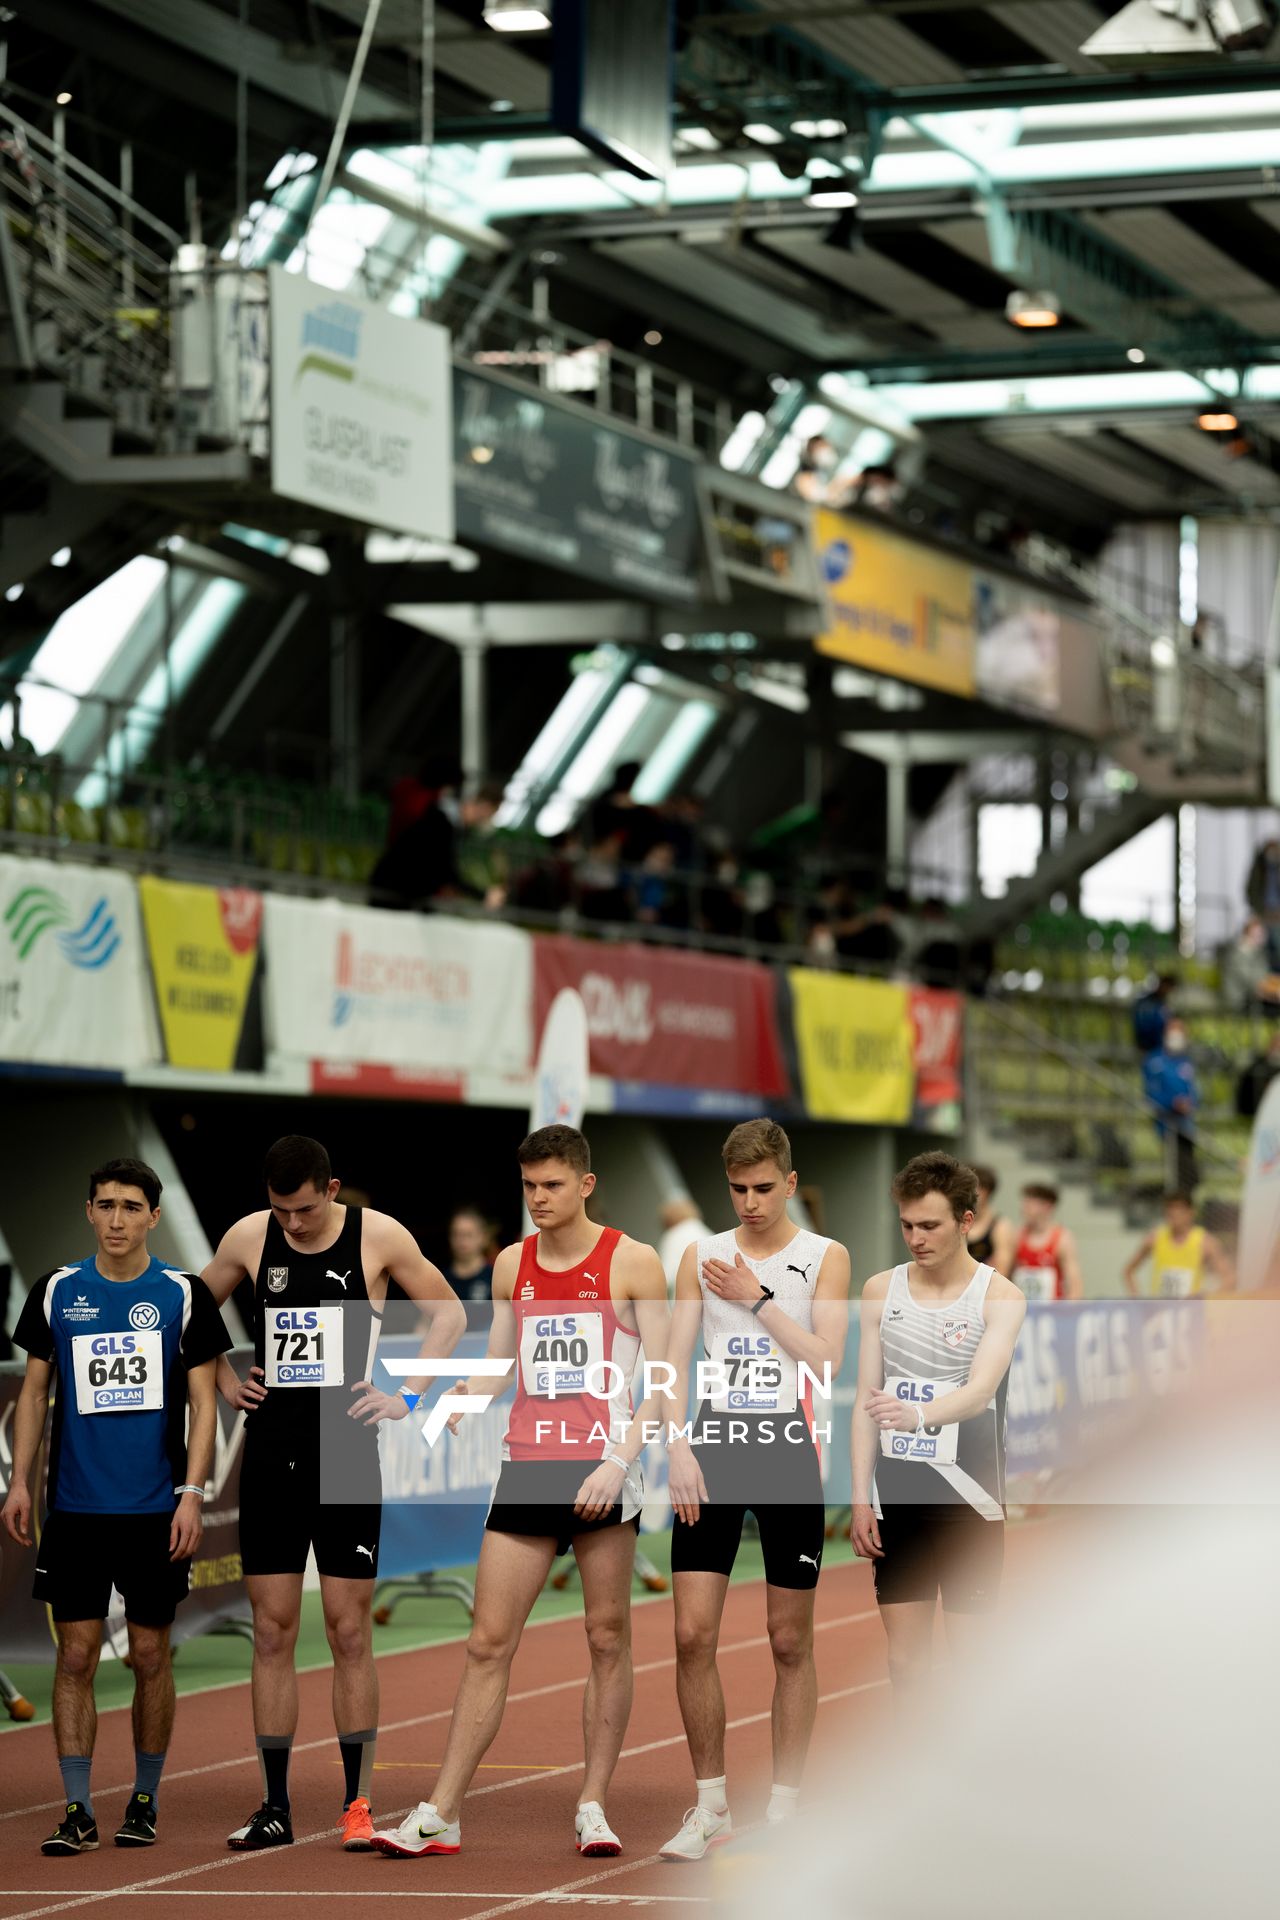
{"x": 558, "y": 1352}
{"x": 754, "y": 1375}
{"x": 303, "y": 1346}
{"x": 118, "y": 1372}
{"x": 936, "y": 1444}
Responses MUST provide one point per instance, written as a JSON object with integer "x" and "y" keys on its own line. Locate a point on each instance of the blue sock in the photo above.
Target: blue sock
{"x": 147, "y": 1768}
{"x": 75, "y": 1779}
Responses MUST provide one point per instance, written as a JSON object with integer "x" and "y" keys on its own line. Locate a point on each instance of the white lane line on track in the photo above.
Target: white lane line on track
{"x": 397, "y": 1893}
{"x": 522, "y": 1901}
{"x": 423, "y": 1719}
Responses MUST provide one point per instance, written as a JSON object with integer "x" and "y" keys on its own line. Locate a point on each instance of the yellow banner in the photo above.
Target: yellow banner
{"x": 203, "y": 943}
{"x": 895, "y": 605}
{"x": 854, "y": 1039}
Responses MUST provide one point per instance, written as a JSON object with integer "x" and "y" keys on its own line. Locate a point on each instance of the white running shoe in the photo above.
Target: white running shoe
{"x": 702, "y": 1828}
{"x": 595, "y": 1835}
{"x": 422, "y": 1831}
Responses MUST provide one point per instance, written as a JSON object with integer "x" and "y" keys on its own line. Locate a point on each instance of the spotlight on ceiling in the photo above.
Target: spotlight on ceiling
{"x": 62, "y": 100}
{"x": 831, "y": 196}
{"x": 1029, "y": 310}
{"x": 1220, "y": 420}
{"x": 1136, "y": 356}
{"x": 791, "y": 161}
{"x": 517, "y": 16}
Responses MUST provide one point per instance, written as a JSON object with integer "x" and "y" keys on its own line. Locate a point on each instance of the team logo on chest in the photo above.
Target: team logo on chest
{"x": 277, "y": 1278}
{"x": 144, "y": 1315}
{"x": 526, "y": 1291}
{"x": 954, "y": 1331}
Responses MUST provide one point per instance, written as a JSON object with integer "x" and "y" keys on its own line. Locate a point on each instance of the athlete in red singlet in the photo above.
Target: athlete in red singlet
{"x": 570, "y": 1307}
{"x": 1043, "y": 1259}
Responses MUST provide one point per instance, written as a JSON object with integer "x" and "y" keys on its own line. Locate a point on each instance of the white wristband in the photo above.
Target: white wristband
{"x": 919, "y": 1418}
{"x": 191, "y": 1489}
{"x": 616, "y": 1460}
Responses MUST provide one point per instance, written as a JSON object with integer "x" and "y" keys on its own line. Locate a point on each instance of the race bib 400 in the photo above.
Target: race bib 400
{"x": 119, "y": 1372}
{"x": 559, "y": 1350}
{"x": 303, "y": 1346}
{"x": 936, "y": 1444}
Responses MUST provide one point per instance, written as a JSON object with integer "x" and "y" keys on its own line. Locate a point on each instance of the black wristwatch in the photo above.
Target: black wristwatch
{"x": 766, "y": 1295}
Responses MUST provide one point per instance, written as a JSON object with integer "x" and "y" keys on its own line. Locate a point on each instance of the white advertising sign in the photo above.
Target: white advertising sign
{"x": 563, "y": 1066}
{"x": 361, "y": 409}
{"x": 419, "y": 992}
{"x": 1258, "y": 1258}
{"x": 74, "y": 987}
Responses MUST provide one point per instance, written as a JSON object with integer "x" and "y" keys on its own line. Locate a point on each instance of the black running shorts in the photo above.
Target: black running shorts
{"x": 782, "y": 1486}
{"x": 81, "y": 1556}
{"x": 282, "y": 1516}
{"x": 537, "y": 1496}
{"x": 948, "y": 1549}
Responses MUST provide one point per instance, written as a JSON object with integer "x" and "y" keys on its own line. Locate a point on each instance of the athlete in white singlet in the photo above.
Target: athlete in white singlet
{"x": 938, "y": 1335}
{"x": 764, "y": 1298}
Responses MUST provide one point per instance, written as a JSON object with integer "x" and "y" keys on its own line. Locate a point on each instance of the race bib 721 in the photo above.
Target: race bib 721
{"x": 119, "y": 1372}
{"x": 302, "y": 1346}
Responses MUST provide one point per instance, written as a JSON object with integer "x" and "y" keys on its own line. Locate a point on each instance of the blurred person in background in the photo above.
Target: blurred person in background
{"x": 1043, "y": 1260}
{"x": 1180, "y": 1253}
{"x": 937, "y": 957}
{"x": 1248, "y": 981}
{"x": 469, "y": 1268}
{"x": 1169, "y": 1082}
{"x": 1255, "y": 1077}
{"x": 1151, "y": 1014}
{"x": 987, "y": 1223}
{"x": 421, "y": 863}
{"x": 682, "y": 1226}
{"x": 1262, "y": 892}
{"x": 815, "y": 476}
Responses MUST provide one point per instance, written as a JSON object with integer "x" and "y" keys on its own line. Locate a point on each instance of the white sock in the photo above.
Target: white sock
{"x": 783, "y": 1803}
{"x": 711, "y": 1795}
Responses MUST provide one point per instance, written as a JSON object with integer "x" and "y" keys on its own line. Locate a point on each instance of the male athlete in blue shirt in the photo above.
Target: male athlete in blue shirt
{"x": 133, "y": 1343}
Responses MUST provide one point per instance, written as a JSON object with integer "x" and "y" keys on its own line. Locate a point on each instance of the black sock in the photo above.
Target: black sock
{"x": 357, "y": 1751}
{"x": 273, "y": 1758}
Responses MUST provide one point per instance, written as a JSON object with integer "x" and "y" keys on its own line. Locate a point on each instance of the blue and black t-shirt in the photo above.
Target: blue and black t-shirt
{"x": 121, "y": 1349}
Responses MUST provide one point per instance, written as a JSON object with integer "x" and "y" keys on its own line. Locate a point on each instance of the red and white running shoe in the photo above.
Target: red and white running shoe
{"x": 595, "y": 1835}
{"x": 703, "y": 1827}
{"x": 422, "y": 1831}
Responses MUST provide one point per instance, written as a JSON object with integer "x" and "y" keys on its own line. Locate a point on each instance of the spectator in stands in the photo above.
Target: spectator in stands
{"x": 469, "y": 1269}
{"x": 415, "y": 792}
{"x": 682, "y": 1225}
{"x": 1169, "y": 1081}
{"x": 987, "y": 1224}
{"x": 660, "y": 901}
{"x": 549, "y": 883}
{"x": 937, "y": 958}
{"x": 1262, "y": 891}
{"x": 1151, "y": 1015}
{"x": 1255, "y": 1078}
{"x": 421, "y": 862}
{"x": 618, "y": 812}
{"x": 1248, "y": 981}
{"x": 878, "y": 488}
{"x": 878, "y": 934}
{"x": 601, "y": 884}
{"x": 814, "y": 479}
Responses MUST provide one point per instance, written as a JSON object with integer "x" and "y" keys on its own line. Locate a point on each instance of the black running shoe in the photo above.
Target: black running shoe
{"x": 269, "y": 1827}
{"x": 77, "y": 1834}
{"x": 138, "y": 1828}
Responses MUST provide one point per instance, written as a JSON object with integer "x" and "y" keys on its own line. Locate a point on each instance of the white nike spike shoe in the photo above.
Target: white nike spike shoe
{"x": 703, "y": 1828}
{"x": 595, "y": 1835}
{"x": 422, "y": 1831}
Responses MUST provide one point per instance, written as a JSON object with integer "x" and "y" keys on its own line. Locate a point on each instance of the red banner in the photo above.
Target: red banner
{"x": 938, "y": 1018}
{"x": 671, "y": 1019}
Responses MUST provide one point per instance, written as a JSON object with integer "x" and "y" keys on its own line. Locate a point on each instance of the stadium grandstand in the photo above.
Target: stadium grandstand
{"x": 651, "y": 570}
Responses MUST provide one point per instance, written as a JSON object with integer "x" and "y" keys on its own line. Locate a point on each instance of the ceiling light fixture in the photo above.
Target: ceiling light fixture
{"x": 762, "y": 133}
{"x": 517, "y": 16}
{"x": 1137, "y": 356}
{"x": 1032, "y": 309}
{"x": 819, "y": 129}
{"x": 1222, "y": 421}
{"x": 62, "y": 558}
{"x": 834, "y": 197}
{"x": 653, "y": 338}
{"x": 62, "y": 100}
{"x": 14, "y": 592}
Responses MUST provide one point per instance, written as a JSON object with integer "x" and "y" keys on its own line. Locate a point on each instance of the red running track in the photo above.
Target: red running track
{"x": 518, "y": 1852}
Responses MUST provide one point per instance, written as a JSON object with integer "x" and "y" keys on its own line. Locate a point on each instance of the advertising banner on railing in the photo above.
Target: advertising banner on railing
{"x": 203, "y": 944}
{"x": 854, "y": 1043}
{"x": 895, "y": 605}
{"x": 73, "y": 975}
{"x": 937, "y": 1020}
{"x": 701, "y": 1029}
{"x": 217, "y": 1577}
{"x": 360, "y": 409}
{"x": 392, "y": 1003}
{"x": 547, "y": 482}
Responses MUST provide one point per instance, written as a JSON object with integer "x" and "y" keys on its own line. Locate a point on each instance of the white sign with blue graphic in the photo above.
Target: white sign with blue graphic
{"x": 73, "y": 979}
{"x": 361, "y": 409}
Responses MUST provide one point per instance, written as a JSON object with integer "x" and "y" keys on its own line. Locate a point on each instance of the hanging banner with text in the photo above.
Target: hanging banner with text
{"x": 360, "y": 409}
{"x": 73, "y": 977}
{"x": 895, "y": 605}
{"x": 203, "y": 944}
{"x": 698, "y": 1027}
{"x": 854, "y": 1043}
{"x": 391, "y": 1003}
{"x": 546, "y": 481}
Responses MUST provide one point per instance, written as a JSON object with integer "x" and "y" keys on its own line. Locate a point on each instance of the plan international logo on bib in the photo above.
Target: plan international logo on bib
{"x": 35, "y": 911}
